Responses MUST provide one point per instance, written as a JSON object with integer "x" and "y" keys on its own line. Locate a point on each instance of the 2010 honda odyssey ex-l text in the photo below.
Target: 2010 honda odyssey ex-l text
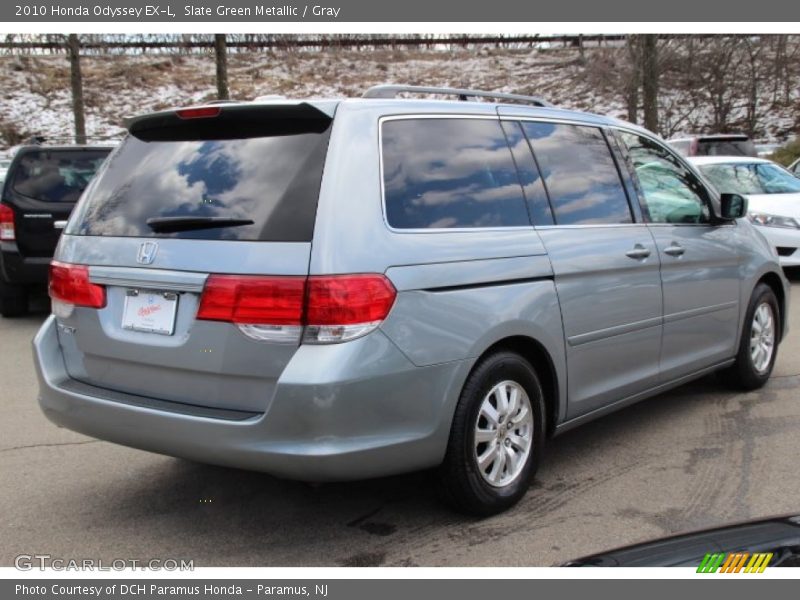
{"x": 342, "y": 289}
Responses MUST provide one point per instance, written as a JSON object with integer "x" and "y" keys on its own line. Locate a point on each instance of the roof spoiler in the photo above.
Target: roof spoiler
{"x": 230, "y": 121}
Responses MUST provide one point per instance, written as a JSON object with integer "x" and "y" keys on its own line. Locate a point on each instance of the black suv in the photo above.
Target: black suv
{"x": 41, "y": 188}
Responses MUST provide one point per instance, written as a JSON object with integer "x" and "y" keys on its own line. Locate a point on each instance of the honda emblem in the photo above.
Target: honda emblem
{"x": 147, "y": 253}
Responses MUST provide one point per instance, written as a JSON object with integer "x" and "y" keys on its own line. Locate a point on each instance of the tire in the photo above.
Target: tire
{"x": 463, "y": 484}
{"x": 750, "y": 372}
{"x": 13, "y": 300}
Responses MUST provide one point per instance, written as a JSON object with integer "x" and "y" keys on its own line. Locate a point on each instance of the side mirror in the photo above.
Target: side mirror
{"x": 732, "y": 206}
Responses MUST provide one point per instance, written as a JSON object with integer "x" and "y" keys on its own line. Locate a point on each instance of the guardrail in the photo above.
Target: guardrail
{"x": 106, "y": 44}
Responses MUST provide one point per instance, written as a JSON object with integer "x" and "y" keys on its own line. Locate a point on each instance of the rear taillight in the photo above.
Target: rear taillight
{"x": 70, "y": 286}
{"x": 320, "y": 309}
{"x": 7, "y": 233}
{"x": 264, "y": 308}
{"x": 344, "y": 307}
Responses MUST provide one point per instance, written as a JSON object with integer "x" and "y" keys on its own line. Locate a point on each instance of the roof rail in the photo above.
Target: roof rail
{"x": 391, "y": 91}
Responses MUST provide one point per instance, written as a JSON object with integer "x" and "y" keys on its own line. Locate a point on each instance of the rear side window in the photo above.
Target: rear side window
{"x": 56, "y": 175}
{"x": 260, "y": 188}
{"x": 579, "y": 173}
{"x": 450, "y": 173}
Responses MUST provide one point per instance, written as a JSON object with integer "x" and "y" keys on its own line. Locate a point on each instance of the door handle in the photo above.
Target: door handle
{"x": 674, "y": 249}
{"x": 639, "y": 252}
{"x": 60, "y": 224}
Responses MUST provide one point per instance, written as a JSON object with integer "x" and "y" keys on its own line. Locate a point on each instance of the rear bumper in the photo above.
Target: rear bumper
{"x": 18, "y": 269}
{"x": 333, "y": 416}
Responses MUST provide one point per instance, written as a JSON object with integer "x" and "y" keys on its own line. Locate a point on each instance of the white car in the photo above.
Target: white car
{"x": 4, "y": 164}
{"x": 773, "y": 194}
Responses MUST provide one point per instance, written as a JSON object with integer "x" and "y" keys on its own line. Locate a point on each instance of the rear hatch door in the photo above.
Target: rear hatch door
{"x": 188, "y": 199}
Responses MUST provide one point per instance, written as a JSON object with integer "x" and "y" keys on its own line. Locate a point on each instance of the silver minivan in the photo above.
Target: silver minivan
{"x": 344, "y": 289}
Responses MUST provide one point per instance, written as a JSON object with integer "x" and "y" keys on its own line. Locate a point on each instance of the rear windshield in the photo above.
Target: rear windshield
{"x": 726, "y": 147}
{"x": 266, "y": 188}
{"x": 56, "y": 175}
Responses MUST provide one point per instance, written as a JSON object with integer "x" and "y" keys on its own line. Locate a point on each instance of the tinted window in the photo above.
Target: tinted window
{"x": 56, "y": 175}
{"x": 579, "y": 173}
{"x": 272, "y": 181}
{"x": 670, "y": 192}
{"x": 445, "y": 173}
{"x": 535, "y": 194}
{"x": 726, "y": 147}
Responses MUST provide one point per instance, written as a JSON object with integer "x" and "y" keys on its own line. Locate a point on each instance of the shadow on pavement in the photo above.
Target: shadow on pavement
{"x": 248, "y": 518}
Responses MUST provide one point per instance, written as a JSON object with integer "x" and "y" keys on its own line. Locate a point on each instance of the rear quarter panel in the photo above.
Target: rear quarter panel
{"x": 459, "y": 292}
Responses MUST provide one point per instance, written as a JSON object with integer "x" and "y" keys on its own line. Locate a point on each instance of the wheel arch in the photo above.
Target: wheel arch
{"x": 537, "y": 355}
{"x": 773, "y": 280}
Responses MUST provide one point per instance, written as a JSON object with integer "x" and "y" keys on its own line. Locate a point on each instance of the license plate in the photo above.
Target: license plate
{"x": 150, "y": 311}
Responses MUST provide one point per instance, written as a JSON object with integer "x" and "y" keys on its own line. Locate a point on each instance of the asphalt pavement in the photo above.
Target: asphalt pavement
{"x": 696, "y": 457}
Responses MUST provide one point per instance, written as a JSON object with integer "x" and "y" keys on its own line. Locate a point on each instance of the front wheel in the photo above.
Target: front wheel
{"x": 496, "y": 438}
{"x": 758, "y": 346}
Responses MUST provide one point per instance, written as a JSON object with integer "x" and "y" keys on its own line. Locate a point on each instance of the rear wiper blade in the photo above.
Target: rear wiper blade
{"x": 173, "y": 224}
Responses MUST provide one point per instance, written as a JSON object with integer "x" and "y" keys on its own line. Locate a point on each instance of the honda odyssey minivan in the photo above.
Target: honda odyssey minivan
{"x": 344, "y": 289}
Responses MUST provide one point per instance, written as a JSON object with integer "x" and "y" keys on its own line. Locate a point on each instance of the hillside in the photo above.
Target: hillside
{"x": 36, "y": 97}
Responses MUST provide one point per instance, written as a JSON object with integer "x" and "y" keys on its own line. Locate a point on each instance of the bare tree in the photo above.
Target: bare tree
{"x": 76, "y": 81}
{"x": 719, "y": 79}
{"x": 650, "y": 76}
{"x": 221, "y": 51}
{"x": 753, "y": 81}
{"x": 632, "y": 78}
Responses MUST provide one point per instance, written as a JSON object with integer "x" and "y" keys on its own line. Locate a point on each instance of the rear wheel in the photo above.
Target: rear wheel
{"x": 758, "y": 346}
{"x": 13, "y": 299}
{"x": 496, "y": 438}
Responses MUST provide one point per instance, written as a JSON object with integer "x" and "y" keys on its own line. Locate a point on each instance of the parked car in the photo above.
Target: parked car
{"x": 794, "y": 168}
{"x": 766, "y": 150}
{"x": 42, "y": 185}
{"x": 774, "y": 198}
{"x": 722, "y": 144}
{"x": 758, "y": 545}
{"x": 344, "y": 289}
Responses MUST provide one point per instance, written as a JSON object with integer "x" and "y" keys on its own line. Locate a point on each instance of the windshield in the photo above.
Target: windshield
{"x": 751, "y": 178}
{"x": 56, "y": 175}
